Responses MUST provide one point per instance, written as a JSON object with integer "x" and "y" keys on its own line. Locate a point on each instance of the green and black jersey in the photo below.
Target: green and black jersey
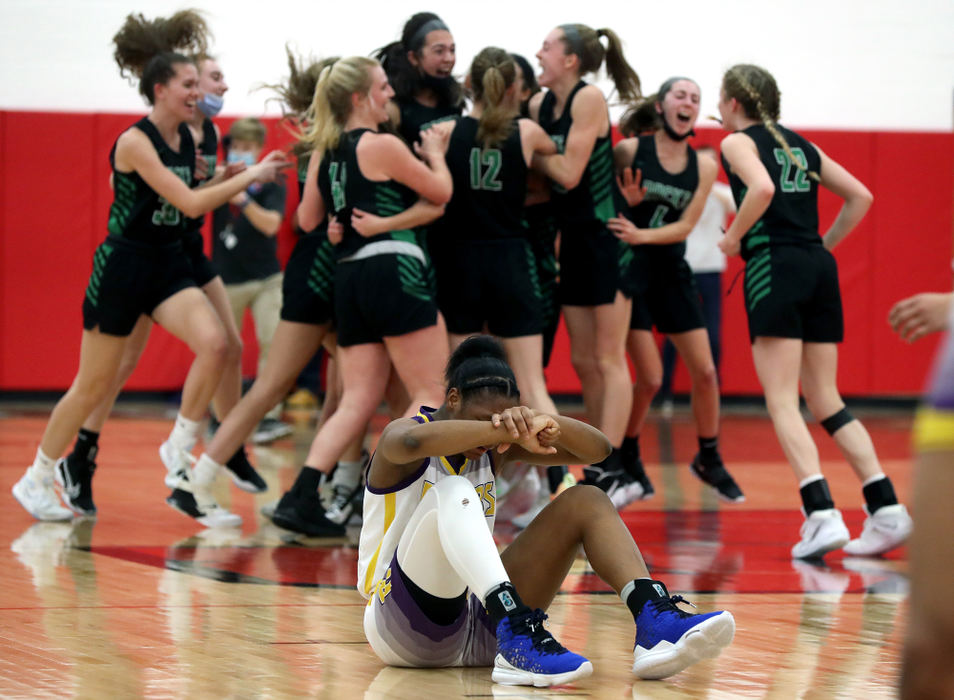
{"x": 490, "y": 185}
{"x": 667, "y": 194}
{"x": 415, "y": 117}
{"x": 138, "y": 213}
{"x": 209, "y": 149}
{"x": 343, "y": 188}
{"x": 596, "y": 197}
{"x": 792, "y": 215}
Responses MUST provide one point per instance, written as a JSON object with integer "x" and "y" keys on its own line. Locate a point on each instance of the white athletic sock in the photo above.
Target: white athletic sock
{"x": 43, "y": 464}
{"x": 204, "y": 471}
{"x": 185, "y": 433}
{"x": 347, "y": 474}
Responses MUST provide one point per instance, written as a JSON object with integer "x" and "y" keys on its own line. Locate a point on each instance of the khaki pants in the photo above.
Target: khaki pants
{"x": 264, "y": 298}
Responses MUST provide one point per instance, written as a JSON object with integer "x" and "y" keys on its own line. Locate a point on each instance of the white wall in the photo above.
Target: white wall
{"x": 878, "y": 64}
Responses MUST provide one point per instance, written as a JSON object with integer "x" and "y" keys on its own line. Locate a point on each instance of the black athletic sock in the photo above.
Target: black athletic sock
{"x": 646, "y": 589}
{"x": 555, "y": 476}
{"x": 307, "y": 482}
{"x": 86, "y": 445}
{"x": 879, "y": 493}
{"x": 610, "y": 464}
{"x": 239, "y": 457}
{"x": 630, "y": 447}
{"x": 816, "y": 496}
{"x": 503, "y": 601}
{"x": 708, "y": 450}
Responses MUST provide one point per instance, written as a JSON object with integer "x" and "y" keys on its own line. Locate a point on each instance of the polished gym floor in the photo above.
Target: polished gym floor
{"x": 142, "y": 602}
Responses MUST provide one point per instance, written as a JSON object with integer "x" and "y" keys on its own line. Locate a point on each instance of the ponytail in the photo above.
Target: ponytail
{"x": 585, "y": 42}
{"x": 331, "y": 106}
{"x": 492, "y": 73}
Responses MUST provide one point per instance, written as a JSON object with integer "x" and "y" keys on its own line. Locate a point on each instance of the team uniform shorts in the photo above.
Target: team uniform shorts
{"x": 664, "y": 295}
{"x": 129, "y": 279}
{"x": 492, "y": 282}
{"x": 792, "y": 292}
{"x": 308, "y": 285}
{"x": 589, "y": 265}
{"x": 382, "y": 296}
{"x": 203, "y": 269}
{"x": 402, "y": 631}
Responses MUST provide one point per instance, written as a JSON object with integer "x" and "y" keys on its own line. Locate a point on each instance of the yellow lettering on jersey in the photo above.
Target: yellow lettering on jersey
{"x": 487, "y": 497}
{"x": 383, "y": 587}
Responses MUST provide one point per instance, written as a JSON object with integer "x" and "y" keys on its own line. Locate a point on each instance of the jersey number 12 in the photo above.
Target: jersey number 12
{"x": 485, "y": 169}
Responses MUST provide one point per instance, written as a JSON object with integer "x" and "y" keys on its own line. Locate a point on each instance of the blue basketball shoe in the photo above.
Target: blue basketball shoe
{"x": 527, "y": 654}
{"x": 669, "y": 639}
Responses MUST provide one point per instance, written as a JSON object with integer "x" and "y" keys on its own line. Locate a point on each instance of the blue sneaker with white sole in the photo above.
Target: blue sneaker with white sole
{"x": 527, "y": 654}
{"x": 669, "y": 639}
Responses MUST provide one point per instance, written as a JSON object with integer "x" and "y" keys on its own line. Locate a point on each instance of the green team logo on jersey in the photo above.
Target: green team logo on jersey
{"x": 676, "y": 196}
{"x": 338, "y": 184}
{"x": 485, "y": 168}
{"x": 167, "y": 214}
{"x": 794, "y": 177}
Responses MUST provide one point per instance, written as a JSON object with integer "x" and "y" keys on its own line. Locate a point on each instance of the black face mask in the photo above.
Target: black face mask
{"x": 672, "y": 133}
{"x": 443, "y": 87}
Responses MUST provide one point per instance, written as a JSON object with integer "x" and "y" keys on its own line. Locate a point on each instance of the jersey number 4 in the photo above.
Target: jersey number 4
{"x": 485, "y": 169}
{"x": 794, "y": 177}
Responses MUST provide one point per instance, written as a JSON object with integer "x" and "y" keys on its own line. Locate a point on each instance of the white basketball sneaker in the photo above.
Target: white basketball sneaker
{"x": 888, "y": 528}
{"x": 36, "y": 494}
{"x": 178, "y": 465}
{"x": 822, "y": 531}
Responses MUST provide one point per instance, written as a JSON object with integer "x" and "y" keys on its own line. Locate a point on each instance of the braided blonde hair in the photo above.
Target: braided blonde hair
{"x": 756, "y": 90}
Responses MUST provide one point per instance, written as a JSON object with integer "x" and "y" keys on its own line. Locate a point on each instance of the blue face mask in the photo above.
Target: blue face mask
{"x": 210, "y": 104}
{"x": 242, "y": 157}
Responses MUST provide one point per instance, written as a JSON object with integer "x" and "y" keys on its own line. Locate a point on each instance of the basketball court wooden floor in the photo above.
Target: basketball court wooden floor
{"x": 141, "y": 602}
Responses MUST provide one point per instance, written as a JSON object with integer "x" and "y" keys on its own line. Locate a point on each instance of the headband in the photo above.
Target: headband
{"x": 431, "y": 25}
{"x": 573, "y": 39}
{"x": 508, "y": 383}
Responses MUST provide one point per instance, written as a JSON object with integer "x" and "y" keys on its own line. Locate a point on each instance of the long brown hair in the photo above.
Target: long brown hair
{"x": 150, "y": 49}
{"x": 585, "y": 42}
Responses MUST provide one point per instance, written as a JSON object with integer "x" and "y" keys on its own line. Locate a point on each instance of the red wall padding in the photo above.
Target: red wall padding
{"x": 55, "y": 198}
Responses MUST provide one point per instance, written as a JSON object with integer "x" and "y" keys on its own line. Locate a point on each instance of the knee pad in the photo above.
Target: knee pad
{"x": 837, "y": 420}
